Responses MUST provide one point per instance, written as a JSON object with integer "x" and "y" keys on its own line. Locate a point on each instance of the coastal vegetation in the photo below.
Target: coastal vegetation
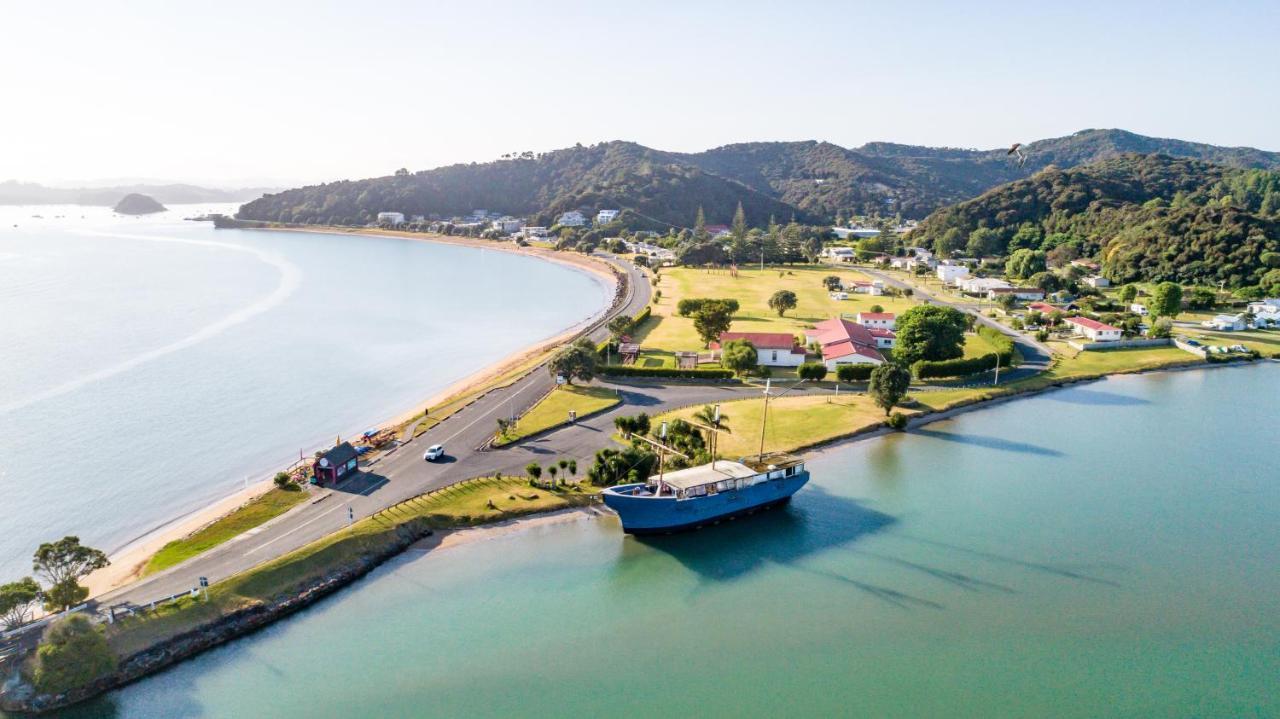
{"x": 62, "y": 564}
{"x": 256, "y": 512}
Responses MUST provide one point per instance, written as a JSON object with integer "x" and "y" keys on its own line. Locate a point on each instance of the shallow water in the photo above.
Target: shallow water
{"x": 1105, "y": 550}
{"x": 151, "y": 365}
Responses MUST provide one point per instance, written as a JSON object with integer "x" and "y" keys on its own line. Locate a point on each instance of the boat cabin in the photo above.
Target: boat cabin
{"x": 724, "y": 476}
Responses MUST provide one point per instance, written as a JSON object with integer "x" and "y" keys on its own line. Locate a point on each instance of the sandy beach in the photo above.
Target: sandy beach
{"x": 128, "y": 561}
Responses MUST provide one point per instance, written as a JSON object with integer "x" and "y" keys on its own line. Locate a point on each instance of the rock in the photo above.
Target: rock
{"x": 136, "y": 204}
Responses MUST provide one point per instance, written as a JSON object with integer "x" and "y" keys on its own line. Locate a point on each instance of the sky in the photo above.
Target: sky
{"x": 284, "y": 93}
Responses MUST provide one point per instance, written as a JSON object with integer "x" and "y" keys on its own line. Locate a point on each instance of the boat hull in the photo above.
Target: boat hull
{"x": 665, "y": 515}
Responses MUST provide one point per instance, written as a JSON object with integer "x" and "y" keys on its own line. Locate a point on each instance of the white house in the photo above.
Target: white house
{"x": 845, "y": 342}
{"x": 1020, "y": 293}
{"x": 877, "y": 320}
{"x": 774, "y": 349}
{"x": 508, "y": 225}
{"x": 604, "y": 217}
{"x": 391, "y": 218}
{"x": 573, "y": 218}
{"x": 951, "y": 274}
{"x": 839, "y": 254}
{"x": 1265, "y": 313}
{"x": 1139, "y": 310}
{"x": 1094, "y": 330}
{"x": 1227, "y": 323}
{"x": 875, "y": 288}
{"x": 980, "y": 285}
{"x": 1097, "y": 281}
{"x": 534, "y": 231}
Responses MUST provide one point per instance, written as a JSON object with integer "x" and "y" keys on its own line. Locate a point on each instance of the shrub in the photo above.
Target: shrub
{"x": 961, "y": 366}
{"x": 897, "y": 421}
{"x": 1042, "y": 336}
{"x": 282, "y": 479}
{"x": 74, "y": 653}
{"x": 812, "y": 371}
{"x": 690, "y": 305}
{"x": 634, "y": 371}
{"x": 854, "y": 372}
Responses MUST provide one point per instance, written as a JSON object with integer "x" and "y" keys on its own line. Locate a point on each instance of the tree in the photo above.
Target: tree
{"x": 1270, "y": 283}
{"x": 700, "y": 227}
{"x": 831, "y": 282}
{"x": 1166, "y": 300}
{"x": 1024, "y": 263}
{"x": 551, "y": 471}
{"x": 1046, "y": 281}
{"x": 1128, "y": 294}
{"x": 950, "y": 244}
{"x": 739, "y": 356}
{"x": 73, "y": 654}
{"x": 982, "y": 242}
{"x": 889, "y": 384}
{"x": 707, "y": 416}
{"x": 711, "y": 320}
{"x": 17, "y": 601}
{"x": 739, "y": 227}
{"x": 1006, "y": 300}
{"x": 782, "y": 300}
{"x": 282, "y": 479}
{"x": 1162, "y": 328}
{"x": 619, "y": 326}
{"x": 613, "y": 466}
{"x": 815, "y": 371}
{"x": 534, "y": 470}
{"x": 62, "y": 563}
{"x": 929, "y": 332}
{"x": 577, "y": 361}
{"x": 876, "y": 308}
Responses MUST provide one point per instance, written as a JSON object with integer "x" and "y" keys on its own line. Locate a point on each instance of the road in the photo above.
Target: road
{"x": 402, "y": 473}
{"x": 1036, "y": 356}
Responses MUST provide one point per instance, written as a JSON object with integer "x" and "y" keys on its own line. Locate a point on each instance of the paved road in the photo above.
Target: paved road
{"x": 403, "y": 473}
{"x": 1036, "y": 356}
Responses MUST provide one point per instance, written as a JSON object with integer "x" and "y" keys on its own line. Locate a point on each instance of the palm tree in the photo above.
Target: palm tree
{"x": 707, "y": 416}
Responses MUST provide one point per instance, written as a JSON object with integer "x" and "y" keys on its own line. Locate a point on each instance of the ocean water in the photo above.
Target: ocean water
{"x": 1108, "y": 550}
{"x": 151, "y": 365}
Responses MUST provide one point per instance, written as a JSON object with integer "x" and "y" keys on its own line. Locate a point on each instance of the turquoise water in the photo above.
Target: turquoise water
{"x": 151, "y": 365}
{"x": 1107, "y": 550}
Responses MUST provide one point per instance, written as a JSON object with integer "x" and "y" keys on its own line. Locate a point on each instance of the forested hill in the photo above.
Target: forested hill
{"x": 812, "y": 181}
{"x": 1146, "y": 217}
{"x": 659, "y": 189}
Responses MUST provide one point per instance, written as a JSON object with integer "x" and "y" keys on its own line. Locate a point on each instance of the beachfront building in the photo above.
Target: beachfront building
{"x": 332, "y": 466}
{"x": 604, "y": 217}
{"x": 877, "y": 320}
{"x": 773, "y": 349}
{"x": 1094, "y": 330}
{"x": 572, "y": 218}
{"x": 391, "y": 218}
{"x": 845, "y": 342}
{"x": 1227, "y": 323}
{"x": 952, "y": 273}
{"x": 508, "y": 225}
{"x": 533, "y": 231}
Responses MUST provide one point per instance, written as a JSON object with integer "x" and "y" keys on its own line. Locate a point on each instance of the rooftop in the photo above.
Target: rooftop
{"x": 766, "y": 340}
{"x": 1091, "y": 324}
{"x": 718, "y": 470}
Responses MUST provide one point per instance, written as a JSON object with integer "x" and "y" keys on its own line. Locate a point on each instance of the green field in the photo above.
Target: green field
{"x": 257, "y": 512}
{"x": 665, "y": 332}
{"x": 1265, "y": 341}
{"x": 553, "y": 410}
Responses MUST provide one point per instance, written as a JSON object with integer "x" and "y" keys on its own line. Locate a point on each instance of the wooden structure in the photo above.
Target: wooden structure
{"x": 335, "y": 464}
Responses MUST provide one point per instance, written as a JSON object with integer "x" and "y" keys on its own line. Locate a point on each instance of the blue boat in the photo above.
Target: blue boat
{"x": 707, "y": 494}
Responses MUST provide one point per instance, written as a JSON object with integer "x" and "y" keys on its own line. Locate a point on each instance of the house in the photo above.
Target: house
{"x": 845, "y": 233}
{"x": 508, "y": 225}
{"x": 1097, "y": 281}
{"x": 885, "y": 339}
{"x": 773, "y": 349}
{"x": 391, "y": 218}
{"x": 1020, "y": 293}
{"x": 534, "y": 231}
{"x": 950, "y": 274}
{"x": 717, "y": 231}
{"x": 573, "y": 218}
{"x": 877, "y": 320}
{"x": 604, "y": 217}
{"x": 845, "y": 342}
{"x": 1094, "y": 330}
{"x": 875, "y": 288}
{"x": 335, "y": 464}
{"x": 839, "y": 254}
{"x": 1139, "y": 310}
{"x": 982, "y": 285}
{"x": 1227, "y": 323}
{"x": 1265, "y": 313}
{"x": 1043, "y": 308}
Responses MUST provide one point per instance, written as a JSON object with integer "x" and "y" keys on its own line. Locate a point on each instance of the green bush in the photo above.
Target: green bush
{"x": 962, "y": 366}
{"x": 634, "y": 371}
{"x": 690, "y": 305}
{"x": 815, "y": 371}
{"x": 897, "y": 421}
{"x": 73, "y": 653}
{"x": 854, "y": 372}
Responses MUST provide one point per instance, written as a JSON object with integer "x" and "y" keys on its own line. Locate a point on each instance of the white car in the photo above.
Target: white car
{"x": 434, "y": 452}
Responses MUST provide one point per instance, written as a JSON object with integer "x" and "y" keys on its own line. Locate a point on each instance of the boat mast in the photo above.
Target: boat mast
{"x": 764, "y": 416}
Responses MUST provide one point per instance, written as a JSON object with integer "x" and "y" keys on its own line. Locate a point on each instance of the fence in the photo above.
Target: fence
{"x": 1118, "y": 344}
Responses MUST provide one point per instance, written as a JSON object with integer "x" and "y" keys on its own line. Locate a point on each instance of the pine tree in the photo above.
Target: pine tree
{"x": 739, "y": 228}
{"x": 700, "y": 226}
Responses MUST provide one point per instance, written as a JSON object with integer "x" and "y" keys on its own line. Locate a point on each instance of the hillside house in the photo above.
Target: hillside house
{"x": 1094, "y": 330}
{"x": 573, "y": 218}
{"x": 773, "y": 349}
{"x": 604, "y": 217}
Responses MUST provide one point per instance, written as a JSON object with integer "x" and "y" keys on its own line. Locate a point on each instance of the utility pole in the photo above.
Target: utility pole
{"x": 997, "y": 379}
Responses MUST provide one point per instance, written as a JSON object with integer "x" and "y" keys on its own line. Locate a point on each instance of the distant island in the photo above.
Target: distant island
{"x": 13, "y": 192}
{"x": 138, "y": 204}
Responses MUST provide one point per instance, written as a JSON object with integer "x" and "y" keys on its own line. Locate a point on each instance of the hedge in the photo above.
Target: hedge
{"x": 961, "y": 366}
{"x": 634, "y": 371}
{"x": 689, "y": 305}
{"x": 854, "y": 372}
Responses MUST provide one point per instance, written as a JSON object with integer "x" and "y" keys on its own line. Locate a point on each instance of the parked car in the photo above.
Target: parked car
{"x": 434, "y": 452}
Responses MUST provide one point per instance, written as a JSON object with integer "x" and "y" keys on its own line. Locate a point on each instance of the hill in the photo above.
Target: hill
{"x": 29, "y": 193}
{"x": 812, "y": 181}
{"x": 138, "y": 204}
{"x": 1146, "y": 217}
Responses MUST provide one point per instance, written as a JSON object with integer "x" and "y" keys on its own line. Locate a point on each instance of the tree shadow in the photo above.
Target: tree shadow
{"x": 1004, "y": 445}
{"x": 1057, "y": 570}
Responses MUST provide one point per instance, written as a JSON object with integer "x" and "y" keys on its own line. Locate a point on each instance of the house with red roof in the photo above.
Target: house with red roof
{"x": 774, "y": 349}
{"x": 1043, "y": 308}
{"x": 1094, "y": 330}
{"x": 877, "y": 320}
{"x": 846, "y": 342}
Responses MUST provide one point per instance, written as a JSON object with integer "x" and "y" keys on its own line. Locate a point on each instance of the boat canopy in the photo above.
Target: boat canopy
{"x": 717, "y": 471}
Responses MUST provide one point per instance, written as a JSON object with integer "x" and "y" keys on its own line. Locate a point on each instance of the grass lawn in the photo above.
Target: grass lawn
{"x": 1265, "y": 341}
{"x": 553, "y": 410}
{"x": 666, "y": 332}
{"x": 463, "y": 504}
{"x": 257, "y": 512}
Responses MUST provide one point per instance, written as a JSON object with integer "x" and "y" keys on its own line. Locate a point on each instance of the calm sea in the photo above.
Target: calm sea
{"x": 151, "y": 365}
{"x": 1103, "y": 551}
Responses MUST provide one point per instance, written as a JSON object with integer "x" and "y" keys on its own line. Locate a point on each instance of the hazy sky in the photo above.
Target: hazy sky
{"x": 229, "y": 92}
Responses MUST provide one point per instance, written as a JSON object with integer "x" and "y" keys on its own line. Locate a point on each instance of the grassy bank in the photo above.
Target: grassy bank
{"x": 553, "y": 410}
{"x": 257, "y": 512}
{"x": 474, "y": 502}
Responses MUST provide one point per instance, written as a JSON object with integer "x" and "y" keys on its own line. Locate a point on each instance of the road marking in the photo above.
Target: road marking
{"x": 291, "y": 531}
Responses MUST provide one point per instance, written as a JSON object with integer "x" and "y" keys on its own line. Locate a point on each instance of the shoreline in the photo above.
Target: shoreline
{"x": 130, "y": 558}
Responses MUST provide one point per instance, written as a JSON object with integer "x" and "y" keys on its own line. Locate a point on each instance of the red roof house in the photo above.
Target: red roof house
{"x": 775, "y": 349}
{"x": 845, "y": 342}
